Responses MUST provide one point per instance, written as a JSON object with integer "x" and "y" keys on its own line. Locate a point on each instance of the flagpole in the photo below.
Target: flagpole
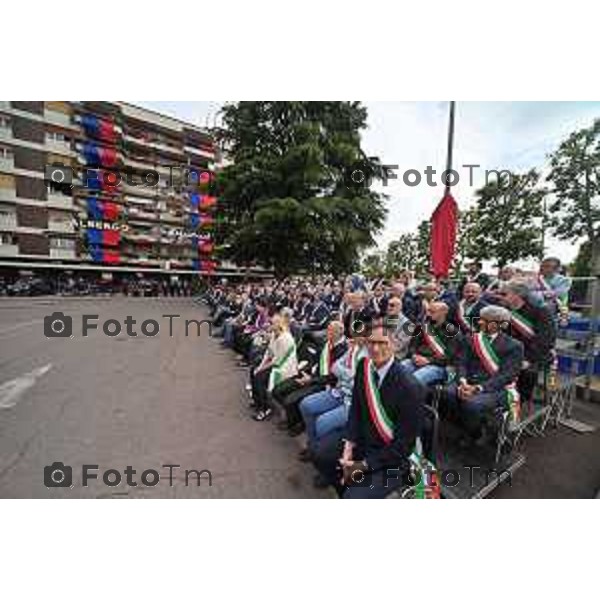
{"x": 450, "y": 145}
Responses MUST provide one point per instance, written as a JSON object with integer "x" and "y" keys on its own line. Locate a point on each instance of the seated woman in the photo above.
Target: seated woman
{"x": 279, "y": 364}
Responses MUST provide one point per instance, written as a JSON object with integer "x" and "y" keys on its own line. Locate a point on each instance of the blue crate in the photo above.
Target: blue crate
{"x": 566, "y": 362}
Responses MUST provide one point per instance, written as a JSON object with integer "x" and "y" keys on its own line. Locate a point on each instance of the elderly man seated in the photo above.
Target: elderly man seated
{"x": 487, "y": 373}
{"x": 534, "y": 326}
{"x": 434, "y": 346}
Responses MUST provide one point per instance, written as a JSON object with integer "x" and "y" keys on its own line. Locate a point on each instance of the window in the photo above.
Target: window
{"x": 53, "y": 136}
{"x": 62, "y": 244}
{"x": 4, "y": 122}
{"x": 6, "y": 239}
{"x": 6, "y": 152}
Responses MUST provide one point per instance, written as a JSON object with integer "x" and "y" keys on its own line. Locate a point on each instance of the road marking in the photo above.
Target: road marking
{"x": 12, "y": 391}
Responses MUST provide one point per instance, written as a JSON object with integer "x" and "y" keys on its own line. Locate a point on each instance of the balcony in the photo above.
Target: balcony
{"x": 9, "y": 249}
{"x": 62, "y": 253}
{"x": 60, "y": 201}
{"x": 59, "y": 147}
{"x": 61, "y": 226}
{"x": 7, "y": 164}
{"x": 6, "y": 133}
{"x": 58, "y": 118}
{"x": 7, "y": 194}
{"x": 8, "y": 222}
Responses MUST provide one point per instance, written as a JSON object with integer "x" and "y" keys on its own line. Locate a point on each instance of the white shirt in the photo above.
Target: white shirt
{"x": 382, "y": 371}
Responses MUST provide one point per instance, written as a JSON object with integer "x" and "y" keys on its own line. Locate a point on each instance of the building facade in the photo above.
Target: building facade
{"x": 105, "y": 187}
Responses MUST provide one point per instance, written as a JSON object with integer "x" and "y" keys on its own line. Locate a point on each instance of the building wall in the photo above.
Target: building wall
{"x": 159, "y": 227}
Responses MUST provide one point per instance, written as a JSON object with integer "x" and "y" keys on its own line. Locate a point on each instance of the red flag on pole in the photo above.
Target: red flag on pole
{"x": 444, "y": 223}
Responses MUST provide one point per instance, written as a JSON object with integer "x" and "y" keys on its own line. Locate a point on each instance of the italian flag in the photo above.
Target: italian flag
{"x": 428, "y": 483}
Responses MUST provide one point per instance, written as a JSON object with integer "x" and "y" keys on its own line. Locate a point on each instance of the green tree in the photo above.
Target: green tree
{"x": 574, "y": 175}
{"x": 505, "y": 223}
{"x": 284, "y": 194}
{"x": 401, "y": 254}
{"x": 374, "y": 264}
{"x": 422, "y": 265}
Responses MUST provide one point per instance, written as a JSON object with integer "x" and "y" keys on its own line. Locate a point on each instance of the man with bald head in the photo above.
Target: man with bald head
{"x": 465, "y": 314}
{"x": 434, "y": 346}
{"x": 487, "y": 372}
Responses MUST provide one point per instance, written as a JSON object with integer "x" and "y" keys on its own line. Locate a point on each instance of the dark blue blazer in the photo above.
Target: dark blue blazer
{"x": 403, "y": 398}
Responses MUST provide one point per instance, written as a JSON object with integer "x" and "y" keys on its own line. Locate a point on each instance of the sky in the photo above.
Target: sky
{"x": 413, "y": 135}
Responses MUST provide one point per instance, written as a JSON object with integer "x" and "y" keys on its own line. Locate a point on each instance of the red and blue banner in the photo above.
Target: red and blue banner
{"x": 102, "y": 129}
{"x": 99, "y": 210}
{"x": 103, "y": 237}
{"x": 98, "y": 155}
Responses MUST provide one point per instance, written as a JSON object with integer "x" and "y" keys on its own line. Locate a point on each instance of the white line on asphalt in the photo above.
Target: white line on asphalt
{"x": 12, "y": 391}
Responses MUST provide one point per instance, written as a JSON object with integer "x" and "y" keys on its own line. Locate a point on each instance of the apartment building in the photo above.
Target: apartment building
{"x": 106, "y": 187}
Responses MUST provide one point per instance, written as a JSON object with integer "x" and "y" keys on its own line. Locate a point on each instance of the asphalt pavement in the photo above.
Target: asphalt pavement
{"x": 143, "y": 402}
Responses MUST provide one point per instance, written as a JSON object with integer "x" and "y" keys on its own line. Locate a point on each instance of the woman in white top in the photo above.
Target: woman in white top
{"x": 279, "y": 363}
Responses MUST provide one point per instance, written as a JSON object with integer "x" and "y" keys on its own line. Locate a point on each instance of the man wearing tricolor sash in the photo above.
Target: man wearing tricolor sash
{"x": 385, "y": 418}
{"x": 434, "y": 346}
{"x": 487, "y": 372}
{"x": 465, "y": 313}
{"x": 534, "y": 326}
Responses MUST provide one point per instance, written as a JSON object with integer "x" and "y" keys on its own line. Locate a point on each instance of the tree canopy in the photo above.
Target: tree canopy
{"x": 284, "y": 191}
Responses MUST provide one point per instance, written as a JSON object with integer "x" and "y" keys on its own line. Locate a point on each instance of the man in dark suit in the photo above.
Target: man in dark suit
{"x": 358, "y": 315}
{"x": 384, "y": 421}
{"x": 487, "y": 372}
{"x": 434, "y": 347}
{"x": 475, "y": 274}
{"x": 534, "y": 326}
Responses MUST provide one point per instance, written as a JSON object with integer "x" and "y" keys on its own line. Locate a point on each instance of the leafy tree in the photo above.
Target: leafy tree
{"x": 505, "y": 223}
{"x": 374, "y": 264}
{"x": 574, "y": 175}
{"x": 401, "y": 254}
{"x": 284, "y": 192}
{"x": 422, "y": 265}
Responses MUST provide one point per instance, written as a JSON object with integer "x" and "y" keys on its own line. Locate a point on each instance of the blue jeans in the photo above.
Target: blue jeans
{"x": 427, "y": 375}
{"x": 228, "y": 334}
{"x": 315, "y": 411}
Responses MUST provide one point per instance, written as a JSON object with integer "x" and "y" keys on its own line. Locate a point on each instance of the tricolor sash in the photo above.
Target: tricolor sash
{"x": 523, "y": 324}
{"x": 325, "y": 360}
{"x": 379, "y": 417}
{"x": 434, "y": 343}
{"x": 463, "y": 315}
{"x": 276, "y": 374}
{"x": 491, "y": 363}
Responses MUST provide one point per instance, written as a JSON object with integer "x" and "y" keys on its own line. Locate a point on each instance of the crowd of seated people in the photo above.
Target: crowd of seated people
{"x": 350, "y": 364}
